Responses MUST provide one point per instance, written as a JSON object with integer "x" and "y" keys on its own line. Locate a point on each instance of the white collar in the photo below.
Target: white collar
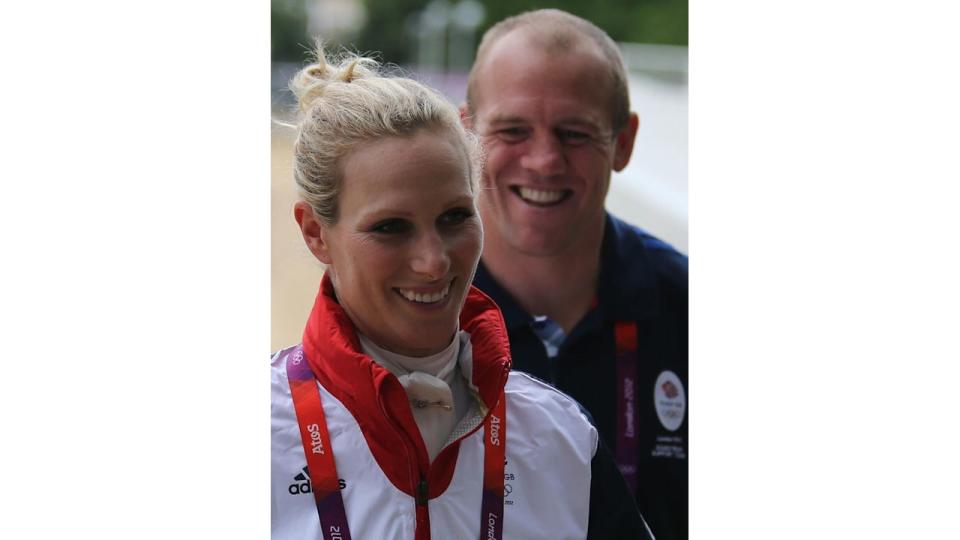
{"x": 440, "y": 365}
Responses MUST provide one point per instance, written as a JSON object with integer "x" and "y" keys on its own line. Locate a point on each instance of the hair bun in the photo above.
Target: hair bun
{"x": 311, "y": 82}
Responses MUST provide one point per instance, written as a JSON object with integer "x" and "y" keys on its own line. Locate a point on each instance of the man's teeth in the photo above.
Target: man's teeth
{"x": 426, "y": 298}
{"x": 541, "y": 196}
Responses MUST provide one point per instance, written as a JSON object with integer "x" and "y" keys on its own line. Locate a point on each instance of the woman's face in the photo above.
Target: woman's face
{"x": 404, "y": 249}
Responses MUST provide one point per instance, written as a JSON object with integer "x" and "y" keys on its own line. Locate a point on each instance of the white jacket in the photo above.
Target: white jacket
{"x": 381, "y": 460}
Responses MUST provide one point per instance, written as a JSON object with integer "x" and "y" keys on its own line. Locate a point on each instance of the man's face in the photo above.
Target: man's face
{"x": 545, "y": 122}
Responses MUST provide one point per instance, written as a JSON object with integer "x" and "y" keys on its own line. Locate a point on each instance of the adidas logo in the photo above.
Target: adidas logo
{"x": 301, "y": 483}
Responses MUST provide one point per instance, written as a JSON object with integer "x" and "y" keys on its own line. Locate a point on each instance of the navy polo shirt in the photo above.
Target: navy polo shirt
{"x": 643, "y": 281}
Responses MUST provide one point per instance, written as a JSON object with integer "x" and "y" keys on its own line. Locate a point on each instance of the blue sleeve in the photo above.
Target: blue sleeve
{"x": 613, "y": 511}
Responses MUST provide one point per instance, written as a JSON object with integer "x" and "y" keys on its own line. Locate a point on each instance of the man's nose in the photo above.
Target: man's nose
{"x": 430, "y": 256}
{"x": 544, "y": 156}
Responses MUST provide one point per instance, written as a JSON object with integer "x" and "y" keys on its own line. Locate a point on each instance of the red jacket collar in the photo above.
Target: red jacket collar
{"x": 374, "y": 396}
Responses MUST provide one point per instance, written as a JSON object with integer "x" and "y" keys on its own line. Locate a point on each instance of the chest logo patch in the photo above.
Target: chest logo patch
{"x": 301, "y": 483}
{"x": 670, "y": 400}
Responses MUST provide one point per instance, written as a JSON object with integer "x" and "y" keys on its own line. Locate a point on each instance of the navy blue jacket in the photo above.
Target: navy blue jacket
{"x": 642, "y": 280}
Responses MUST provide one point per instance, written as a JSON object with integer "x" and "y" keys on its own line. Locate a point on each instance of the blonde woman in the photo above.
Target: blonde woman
{"x": 397, "y": 417}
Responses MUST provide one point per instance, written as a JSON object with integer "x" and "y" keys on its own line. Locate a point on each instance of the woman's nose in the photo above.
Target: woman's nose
{"x": 430, "y": 257}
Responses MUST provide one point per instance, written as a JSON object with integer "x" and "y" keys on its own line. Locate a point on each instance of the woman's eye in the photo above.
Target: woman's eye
{"x": 455, "y": 216}
{"x": 391, "y": 226}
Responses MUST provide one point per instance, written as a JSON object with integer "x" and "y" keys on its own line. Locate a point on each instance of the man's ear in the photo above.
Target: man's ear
{"x": 313, "y": 230}
{"x": 624, "y": 143}
{"x": 465, "y": 117}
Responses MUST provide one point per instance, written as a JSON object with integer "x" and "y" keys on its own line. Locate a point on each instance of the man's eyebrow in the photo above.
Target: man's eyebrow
{"x": 579, "y": 121}
{"x": 566, "y": 121}
{"x": 507, "y": 119}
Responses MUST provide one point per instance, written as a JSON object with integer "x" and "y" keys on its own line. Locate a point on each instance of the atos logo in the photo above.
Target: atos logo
{"x": 494, "y": 430}
{"x": 301, "y": 483}
{"x": 316, "y": 442}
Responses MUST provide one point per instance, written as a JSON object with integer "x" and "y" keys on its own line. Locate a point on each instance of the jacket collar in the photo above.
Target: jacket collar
{"x": 375, "y": 397}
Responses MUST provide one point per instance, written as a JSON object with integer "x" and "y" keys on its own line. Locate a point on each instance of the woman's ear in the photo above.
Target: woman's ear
{"x": 313, "y": 230}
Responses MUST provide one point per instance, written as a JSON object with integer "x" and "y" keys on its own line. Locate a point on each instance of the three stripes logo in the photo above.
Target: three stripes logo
{"x": 301, "y": 483}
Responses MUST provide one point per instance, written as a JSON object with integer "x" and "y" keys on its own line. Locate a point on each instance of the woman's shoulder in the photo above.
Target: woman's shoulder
{"x": 536, "y": 405}
{"x": 278, "y": 368}
{"x": 531, "y": 387}
{"x": 280, "y": 356}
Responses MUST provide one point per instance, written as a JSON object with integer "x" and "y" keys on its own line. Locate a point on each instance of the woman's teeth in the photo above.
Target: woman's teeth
{"x": 426, "y": 298}
{"x": 541, "y": 196}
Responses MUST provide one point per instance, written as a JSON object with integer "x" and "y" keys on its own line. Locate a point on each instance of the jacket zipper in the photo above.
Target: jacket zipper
{"x": 420, "y": 489}
{"x": 422, "y": 510}
{"x": 423, "y": 493}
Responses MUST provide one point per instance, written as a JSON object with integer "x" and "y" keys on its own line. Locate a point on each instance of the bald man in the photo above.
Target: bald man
{"x": 592, "y": 304}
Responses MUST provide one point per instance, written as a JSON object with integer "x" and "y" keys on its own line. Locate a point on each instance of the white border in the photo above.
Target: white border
{"x": 824, "y": 272}
{"x": 135, "y": 303}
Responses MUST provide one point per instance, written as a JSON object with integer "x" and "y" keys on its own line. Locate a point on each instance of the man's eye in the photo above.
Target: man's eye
{"x": 512, "y": 134}
{"x": 455, "y": 217}
{"x": 573, "y": 137}
{"x": 391, "y": 226}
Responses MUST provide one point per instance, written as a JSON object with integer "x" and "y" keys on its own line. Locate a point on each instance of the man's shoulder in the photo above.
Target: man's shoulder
{"x": 639, "y": 250}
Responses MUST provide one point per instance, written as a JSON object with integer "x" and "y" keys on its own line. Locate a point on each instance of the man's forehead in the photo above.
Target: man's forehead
{"x": 519, "y": 90}
{"x": 502, "y": 112}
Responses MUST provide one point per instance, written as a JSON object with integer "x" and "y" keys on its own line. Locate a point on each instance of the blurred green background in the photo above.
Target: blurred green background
{"x": 396, "y": 27}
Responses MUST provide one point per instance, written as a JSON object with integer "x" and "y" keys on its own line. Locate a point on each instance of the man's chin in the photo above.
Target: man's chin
{"x": 539, "y": 245}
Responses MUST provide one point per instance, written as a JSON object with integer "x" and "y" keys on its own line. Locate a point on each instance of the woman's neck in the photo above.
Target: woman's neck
{"x": 438, "y": 364}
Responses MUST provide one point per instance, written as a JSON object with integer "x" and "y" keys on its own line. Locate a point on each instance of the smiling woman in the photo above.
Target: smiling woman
{"x": 401, "y": 262}
{"x": 397, "y": 416}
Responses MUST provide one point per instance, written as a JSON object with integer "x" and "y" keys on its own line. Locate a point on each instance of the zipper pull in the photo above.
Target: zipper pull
{"x": 422, "y": 493}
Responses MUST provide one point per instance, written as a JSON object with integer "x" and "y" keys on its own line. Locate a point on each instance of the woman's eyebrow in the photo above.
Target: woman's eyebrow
{"x": 378, "y": 214}
{"x": 457, "y": 202}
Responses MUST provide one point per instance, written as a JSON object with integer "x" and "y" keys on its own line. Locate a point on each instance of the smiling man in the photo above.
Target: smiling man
{"x": 592, "y": 304}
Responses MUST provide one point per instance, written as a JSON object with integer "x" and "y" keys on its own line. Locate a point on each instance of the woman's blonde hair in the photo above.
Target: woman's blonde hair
{"x": 348, "y": 100}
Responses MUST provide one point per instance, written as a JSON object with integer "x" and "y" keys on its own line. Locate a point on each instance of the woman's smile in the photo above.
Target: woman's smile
{"x": 425, "y": 295}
